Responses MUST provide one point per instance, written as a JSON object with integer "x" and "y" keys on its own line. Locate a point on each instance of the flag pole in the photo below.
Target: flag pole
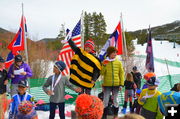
{"x": 25, "y": 44}
{"x": 25, "y": 40}
{"x": 124, "y": 44}
{"x": 82, "y": 29}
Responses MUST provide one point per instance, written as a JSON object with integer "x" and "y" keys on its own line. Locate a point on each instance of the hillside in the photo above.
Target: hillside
{"x": 170, "y": 31}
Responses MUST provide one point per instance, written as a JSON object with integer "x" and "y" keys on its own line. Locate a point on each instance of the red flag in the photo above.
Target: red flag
{"x": 120, "y": 39}
{"x": 18, "y": 42}
{"x": 66, "y": 52}
{"x": 114, "y": 40}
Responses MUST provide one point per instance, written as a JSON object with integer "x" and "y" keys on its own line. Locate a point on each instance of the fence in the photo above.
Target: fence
{"x": 38, "y": 93}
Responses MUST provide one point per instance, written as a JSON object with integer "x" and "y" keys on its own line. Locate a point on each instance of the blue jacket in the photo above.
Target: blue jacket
{"x": 16, "y": 100}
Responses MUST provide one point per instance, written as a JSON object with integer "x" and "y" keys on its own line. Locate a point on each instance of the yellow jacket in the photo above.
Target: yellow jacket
{"x": 113, "y": 73}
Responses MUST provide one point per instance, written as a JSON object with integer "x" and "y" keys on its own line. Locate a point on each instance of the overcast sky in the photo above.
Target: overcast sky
{"x": 44, "y": 17}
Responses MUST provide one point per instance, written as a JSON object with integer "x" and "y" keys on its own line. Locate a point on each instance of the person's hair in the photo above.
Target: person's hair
{"x": 178, "y": 87}
{"x": 132, "y": 116}
{"x": 129, "y": 77}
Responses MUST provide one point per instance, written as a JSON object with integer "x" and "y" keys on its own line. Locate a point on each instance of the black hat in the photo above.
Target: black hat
{"x": 23, "y": 83}
{"x": 2, "y": 60}
{"x": 60, "y": 65}
{"x": 18, "y": 58}
{"x": 134, "y": 68}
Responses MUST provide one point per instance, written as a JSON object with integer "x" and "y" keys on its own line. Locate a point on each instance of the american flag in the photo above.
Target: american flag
{"x": 66, "y": 52}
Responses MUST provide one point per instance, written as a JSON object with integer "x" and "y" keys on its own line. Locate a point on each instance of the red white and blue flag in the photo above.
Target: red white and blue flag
{"x": 66, "y": 52}
{"x": 9, "y": 60}
{"x": 114, "y": 40}
{"x": 17, "y": 44}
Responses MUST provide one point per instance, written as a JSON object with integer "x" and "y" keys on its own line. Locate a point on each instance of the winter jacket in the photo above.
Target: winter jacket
{"x": 59, "y": 90}
{"x": 16, "y": 100}
{"x": 113, "y": 73}
{"x": 150, "y": 102}
{"x": 17, "y": 78}
{"x": 3, "y": 77}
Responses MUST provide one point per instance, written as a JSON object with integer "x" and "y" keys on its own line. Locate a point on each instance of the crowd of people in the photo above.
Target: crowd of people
{"x": 85, "y": 69}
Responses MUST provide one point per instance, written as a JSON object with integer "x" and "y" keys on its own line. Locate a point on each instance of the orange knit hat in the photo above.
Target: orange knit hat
{"x": 89, "y": 107}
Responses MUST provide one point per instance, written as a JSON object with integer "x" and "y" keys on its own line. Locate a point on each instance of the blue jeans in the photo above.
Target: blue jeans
{"x": 53, "y": 110}
{"x": 107, "y": 91}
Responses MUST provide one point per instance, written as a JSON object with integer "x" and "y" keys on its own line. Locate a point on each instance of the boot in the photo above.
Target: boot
{"x": 105, "y": 113}
{"x": 123, "y": 110}
{"x": 116, "y": 109}
{"x": 130, "y": 105}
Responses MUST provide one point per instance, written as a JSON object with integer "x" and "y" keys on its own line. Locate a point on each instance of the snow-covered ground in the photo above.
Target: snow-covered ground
{"x": 162, "y": 51}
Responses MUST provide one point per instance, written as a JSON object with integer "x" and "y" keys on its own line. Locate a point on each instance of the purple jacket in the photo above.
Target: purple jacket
{"x": 17, "y": 78}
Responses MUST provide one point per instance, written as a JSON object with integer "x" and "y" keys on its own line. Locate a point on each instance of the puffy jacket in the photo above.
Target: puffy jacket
{"x": 113, "y": 73}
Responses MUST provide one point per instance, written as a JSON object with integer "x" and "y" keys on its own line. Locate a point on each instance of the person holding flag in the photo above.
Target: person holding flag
{"x": 18, "y": 71}
{"x": 85, "y": 66}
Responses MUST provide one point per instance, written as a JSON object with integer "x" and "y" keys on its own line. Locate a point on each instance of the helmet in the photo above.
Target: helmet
{"x": 18, "y": 58}
{"x": 149, "y": 75}
{"x": 153, "y": 81}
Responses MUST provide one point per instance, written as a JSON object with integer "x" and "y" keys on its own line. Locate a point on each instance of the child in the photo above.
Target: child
{"x": 89, "y": 107}
{"x": 26, "y": 111}
{"x": 3, "y": 83}
{"x": 18, "y": 98}
{"x": 57, "y": 84}
{"x": 136, "y": 107}
{"x": 132, "y": 116}
{"x": 113, "y": 77}
{"x": 176, "y": 87}
{"x": 130, "y": 86}
{"x": 147, "y": 76}
{"x": 170, "y": 97}
{"x": 137, "y": 77}
{"x": 85, "y": 66}
{"x": 148, "y": 100}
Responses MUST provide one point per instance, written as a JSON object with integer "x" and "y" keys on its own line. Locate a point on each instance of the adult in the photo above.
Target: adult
{"x": 18, "y": 71}
{"x": 3, "y": 83}
{"x": 137, "y": 77}
{"x": 113, "y": 77}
